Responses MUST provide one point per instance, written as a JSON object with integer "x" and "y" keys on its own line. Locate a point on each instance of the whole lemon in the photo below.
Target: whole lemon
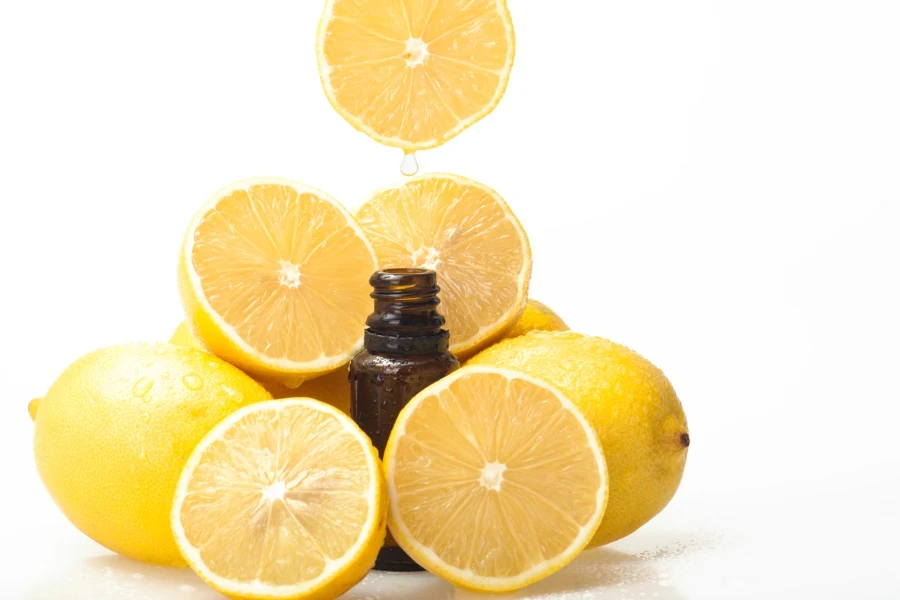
{"x": 333, "y": 388}
{"x": 630, "y": 404}
{"x": 114, "y": 431}
{"x": 537, "y": 317}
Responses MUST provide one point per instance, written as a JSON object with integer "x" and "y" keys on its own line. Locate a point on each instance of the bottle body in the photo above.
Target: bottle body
{"x": 381, "y": 385}
{"x": 405, "y": 352}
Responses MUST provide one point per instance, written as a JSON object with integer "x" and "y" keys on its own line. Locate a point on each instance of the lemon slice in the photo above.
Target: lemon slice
{"x": 274, "y": 279}
{"x": 496, "y": 480}
{"x": 415, "y": 73}
{"x": 465, "y": 231}
{"x": 282, "y": 499}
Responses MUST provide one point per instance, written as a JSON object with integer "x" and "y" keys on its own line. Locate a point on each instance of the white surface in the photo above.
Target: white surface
{"x": 723, "y": 175}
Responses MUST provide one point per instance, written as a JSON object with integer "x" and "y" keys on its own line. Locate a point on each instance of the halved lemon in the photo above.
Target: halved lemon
{"x": 274, "y": 279}
{"x": 466, "y": 232}
{"x": 282, "y": 499}
{"x": 496, "y": 479}
{"x": 415, "y": 73}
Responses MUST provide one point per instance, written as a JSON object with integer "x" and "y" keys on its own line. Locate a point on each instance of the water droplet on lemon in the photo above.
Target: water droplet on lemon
{"x": 192, "y": 382}
{"x": 142, "y": 387}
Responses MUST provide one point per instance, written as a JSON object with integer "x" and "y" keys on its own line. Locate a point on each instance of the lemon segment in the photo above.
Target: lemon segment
{"x": 273, "y": 277}
{"x": 495, "y": 479}
{"x": 464, "y": 231}
{"x": 414, "y": 73}
{"x": 283, "y": 500}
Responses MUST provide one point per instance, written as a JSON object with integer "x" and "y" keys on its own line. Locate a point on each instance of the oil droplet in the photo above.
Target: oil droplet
{"x": 409, "y": 166}
{"x": 142, "y": 456}
{"x": 192, "y": 382}
{"x": 142, "y": 387}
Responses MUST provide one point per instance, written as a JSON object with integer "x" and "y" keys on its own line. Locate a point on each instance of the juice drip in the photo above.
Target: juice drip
{"x": 409, "y": 166}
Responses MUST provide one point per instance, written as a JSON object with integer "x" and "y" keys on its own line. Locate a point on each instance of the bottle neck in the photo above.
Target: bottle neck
{"x": 405, "y": 319}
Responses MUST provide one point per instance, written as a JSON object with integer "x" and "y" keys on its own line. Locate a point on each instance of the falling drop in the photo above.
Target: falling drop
{"x": 293, "y": 383}
{"x": 409, "y": 165}
{"x": 142, "y": 387}
{"x": 192, "y": 382}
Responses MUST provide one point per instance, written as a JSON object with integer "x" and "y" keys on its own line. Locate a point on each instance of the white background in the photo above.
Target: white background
{"x": 713, "y": 183}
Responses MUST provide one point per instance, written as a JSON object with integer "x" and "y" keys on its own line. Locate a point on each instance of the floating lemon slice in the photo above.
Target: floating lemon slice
{"x": 466, "y": 232}
{"x": 495, "y": 479}
{"x": 415, "y": 73}
{"x": 283, "y": 499}
{"x": 274, "y": 279}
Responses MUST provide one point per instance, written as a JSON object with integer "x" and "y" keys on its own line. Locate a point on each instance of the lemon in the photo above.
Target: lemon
{"x": 283, "y": 499}
{"x": 182, "y": 336}
{"x": 496, "y": 480}
{"x": 274, "y": 279}
{"x": 33, "y": 407}
{"x": 631, "y": 405}
{"x": 537, "y": 316}
{"x": 464, "y": 231}
{"x": 114, "y": 431}
{"x": 416, "y": 73}
{"x": 333, "y": 388}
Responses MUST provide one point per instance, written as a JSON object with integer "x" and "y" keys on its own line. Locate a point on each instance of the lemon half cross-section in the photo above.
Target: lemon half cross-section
{"x": 283, "y": 500}
{"x": 415, "y": 73}
{"x": 465, "y": 232}
{"x": 495, "y": 479}
{"x": 274, "y": 279}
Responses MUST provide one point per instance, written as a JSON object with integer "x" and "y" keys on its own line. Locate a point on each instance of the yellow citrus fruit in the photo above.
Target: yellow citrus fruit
{"x": 283, "y": 499}
{"x": 114, "y": 431}
{"x": 537, "y": 316}
{"x": 416, "y": 73}
{"x": 496, "y": 480}
{"x": 274, "y": 279}
{"x": 33, "y": 407}
{"x": 182, "y": 336}
{"x": 466, "y": 232}
{"x": 631, "y": 405}
{"x": 333, "y": 388}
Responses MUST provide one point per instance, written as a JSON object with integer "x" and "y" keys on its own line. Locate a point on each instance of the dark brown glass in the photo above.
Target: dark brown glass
{"x": 405, "y": 352}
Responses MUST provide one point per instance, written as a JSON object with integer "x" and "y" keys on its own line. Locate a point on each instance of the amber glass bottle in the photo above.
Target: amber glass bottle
{"x": 405, "y": 352}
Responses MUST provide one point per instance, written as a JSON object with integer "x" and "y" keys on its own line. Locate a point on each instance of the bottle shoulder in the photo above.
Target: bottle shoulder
{"x": 402, "y": 364}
